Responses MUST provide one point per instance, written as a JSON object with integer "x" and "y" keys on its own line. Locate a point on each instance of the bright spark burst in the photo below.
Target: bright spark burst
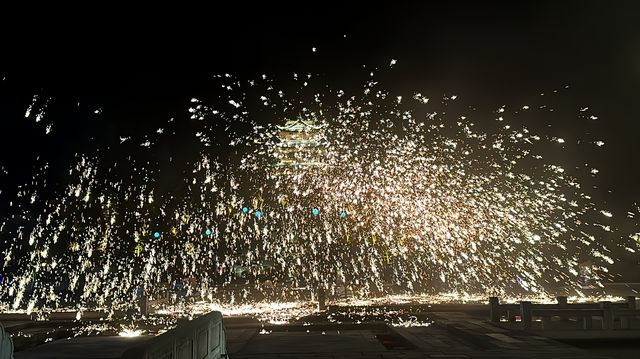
{"x": 435, "y": 205}
{"x": 130, "y": 333}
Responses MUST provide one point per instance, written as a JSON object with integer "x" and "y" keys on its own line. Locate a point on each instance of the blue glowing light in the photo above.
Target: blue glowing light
{"x": 156, "y": 235}
{"x": 207, "y": 232}
{"x": 258, "y": 214}
{"x": 343, "y": 214}
{"x": 315, "y": 211}
{"x": 245, "y": 209}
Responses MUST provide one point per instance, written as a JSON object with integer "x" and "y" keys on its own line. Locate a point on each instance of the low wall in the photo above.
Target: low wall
{"x": 201, "y": 338}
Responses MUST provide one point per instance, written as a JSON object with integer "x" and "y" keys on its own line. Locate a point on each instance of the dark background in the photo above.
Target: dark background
{"x": 141, "y": 67}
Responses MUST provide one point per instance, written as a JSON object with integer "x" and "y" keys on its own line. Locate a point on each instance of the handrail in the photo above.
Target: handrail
{"x": 6, "y": 344}
{"x": 606, "y": 310}
{"x": 201, "y": 338}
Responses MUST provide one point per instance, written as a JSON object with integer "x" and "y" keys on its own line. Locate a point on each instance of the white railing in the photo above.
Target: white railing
{"x": 201, "y": 338}
{"x": 606, "y": 312}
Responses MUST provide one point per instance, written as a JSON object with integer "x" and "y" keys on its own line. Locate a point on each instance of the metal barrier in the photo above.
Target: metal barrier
{"x": 6, "y": 344}
{"x": 607, "y": 312}
{"x": 201, "y": 338}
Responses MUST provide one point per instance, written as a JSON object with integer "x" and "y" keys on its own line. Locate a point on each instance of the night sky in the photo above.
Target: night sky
{"x": 140, "y": 68}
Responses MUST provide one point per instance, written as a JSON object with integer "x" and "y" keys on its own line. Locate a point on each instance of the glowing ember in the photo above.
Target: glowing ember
{"x": 130, "y": 333}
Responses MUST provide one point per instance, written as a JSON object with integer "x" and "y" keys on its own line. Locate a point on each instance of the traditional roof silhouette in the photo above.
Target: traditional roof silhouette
{"x": 300, "y": 125}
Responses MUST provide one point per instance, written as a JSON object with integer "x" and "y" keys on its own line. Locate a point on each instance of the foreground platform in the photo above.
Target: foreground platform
{"x": 454, "y": 334}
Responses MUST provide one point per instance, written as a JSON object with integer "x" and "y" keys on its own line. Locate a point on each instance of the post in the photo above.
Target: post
{"x": 526, "y": 315}
{"x": 494, "y": 309}
{"x": 562, "y": 304}
{"x": 144, "y": 305}
{"x": 587, "y": 322}
{"x": 607, "y": 315}
{"x": 322, "y": 305}
{"x": 625, "y": 321}
{"x": 562, "y": 301}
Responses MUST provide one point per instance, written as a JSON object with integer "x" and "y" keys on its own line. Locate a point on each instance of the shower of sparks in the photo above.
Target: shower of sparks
{"x": 357, "y": 310}
{"x": 434, "y": 204}
{"x": 275, "y": 313}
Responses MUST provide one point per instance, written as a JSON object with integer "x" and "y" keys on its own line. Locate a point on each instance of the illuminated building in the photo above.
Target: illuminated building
{"x": 301, "y": 145}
